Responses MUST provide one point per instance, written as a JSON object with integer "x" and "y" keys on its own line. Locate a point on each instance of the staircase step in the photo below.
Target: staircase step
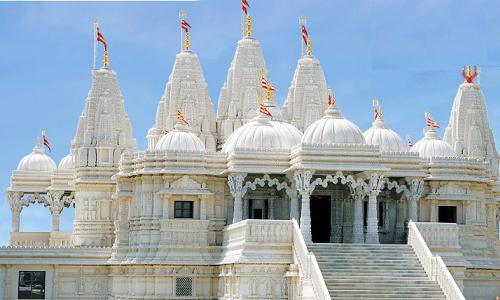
{"x": 362, "y": 271}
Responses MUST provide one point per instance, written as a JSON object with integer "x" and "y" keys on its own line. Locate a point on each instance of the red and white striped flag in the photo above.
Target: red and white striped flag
{"x": 185, "y": 25}
{"x": 46, "y": 141}
{"x": 245, "y": 6}
{"x": 263, "y": 110}
{"x": 409, "y": 142}
{"x": 430, "y": 121}
{"x": 305, "y": 35}
{"x": 100, "y": 38}
{"x": 267, "y": 85}
{"x": 180, "y": 117}
{"x": 331, "y": 100}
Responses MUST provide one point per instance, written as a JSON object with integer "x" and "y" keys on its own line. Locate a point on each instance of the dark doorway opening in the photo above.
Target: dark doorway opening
{"x": 320, "y": 219}
{"x": 447, "y": 214}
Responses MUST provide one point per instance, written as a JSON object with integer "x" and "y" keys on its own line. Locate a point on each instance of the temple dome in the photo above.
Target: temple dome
{"x": 333, "y": 129}
{"x": 262, "y": 133}
{"x": 67, "y": 163}
{"x": 37, "y": 161}
{"x": 180, "y": 139}
{"x": 432, "y": 146}
{"x": 387, "y": 139}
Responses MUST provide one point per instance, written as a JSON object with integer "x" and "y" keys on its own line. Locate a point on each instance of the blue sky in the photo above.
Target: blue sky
{"x": 406, "y": 53}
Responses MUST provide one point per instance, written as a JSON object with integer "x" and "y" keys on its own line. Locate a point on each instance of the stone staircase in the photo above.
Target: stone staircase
{"x": 363, "y": 271}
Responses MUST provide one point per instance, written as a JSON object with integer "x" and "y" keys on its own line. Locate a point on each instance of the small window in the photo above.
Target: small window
{"x": 183, "y": 209}
{"x": 447, "y": 214}
{"x": 184, "y": 286}
{"x": 31, "y": 285}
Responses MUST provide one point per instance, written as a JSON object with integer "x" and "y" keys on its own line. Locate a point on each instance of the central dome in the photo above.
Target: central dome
{"x": 332, "y": 129}
{"x": 262, "y": 133}
{"x": 180, "y": 139}
{"x": 432, "y": 146}
{"x": 387, "y": 139}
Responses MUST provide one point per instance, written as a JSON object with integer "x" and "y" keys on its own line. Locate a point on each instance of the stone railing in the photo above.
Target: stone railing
{"x": 433, "y": 265}
{"x": 55, "y": 239}
{"x": 185, "y": 232}
{"x": 308, "y": 265}
{"x": 439, "y": 235}
{"x": 258, "y": 231}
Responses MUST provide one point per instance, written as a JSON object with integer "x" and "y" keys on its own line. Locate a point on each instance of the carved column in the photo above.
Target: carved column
{"x": 303, "y": 183}
{"x": 203, "y": 207}
{"x": 400, "y": 219}
{"x": 16, "y": 207}
{"x": 415, "y": 191}
{"x": 246, "y": 208}
{"x": 375, "y": 186}
{"x": 235, "y": 182}
{"x": 294, "y": 201}
{"x": 357, "y": 229}
{"x": 56, "y": 205}
{"x": 271, "y": 208}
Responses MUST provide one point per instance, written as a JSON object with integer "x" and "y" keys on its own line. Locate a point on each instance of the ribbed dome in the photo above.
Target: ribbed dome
{"x": 180, "y": 139}
{"x": 432, "y": 146}
{"x": 387, "y": 139}
{"x": 37, "y": 161}
{"x": 333, "y": 129}
{"x": 262, "y": 133}
{"x": 67, "y": 163}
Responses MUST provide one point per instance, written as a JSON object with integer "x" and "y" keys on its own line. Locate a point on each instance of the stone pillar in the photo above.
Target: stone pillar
{"x": 55, "y": 203}
{"x": 14, "y": 199}
{"x": 348, "y": 220}
{"x": 294, "y": 206}
{"x": 203, "y": 207}
{"x": 415, "y": 191}
{"x": 400, "y": 220}
{"x": 55, "y": 219}
{"x": 357, "y": 229}
{"x": 235, "y": 182}
{"x": 305, "y": 217}
{"x": 271, "y": 209}
{"x": 303, "y": 183}
{"x": 246, "y": 208}
{"x": 376, "y": 184}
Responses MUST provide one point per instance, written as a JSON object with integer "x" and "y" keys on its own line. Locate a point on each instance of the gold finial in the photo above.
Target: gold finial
{"x": 308, "y": 49}
{"x": 249, "y": 26}
{"x": 186, "y": 43}
{"x": 105, "y": 61}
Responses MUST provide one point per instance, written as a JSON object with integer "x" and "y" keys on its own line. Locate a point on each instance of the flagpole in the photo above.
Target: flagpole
{"x": 181, "y": 16}
{"x": 95, "y": 43}
{"x": 242, "y": 24}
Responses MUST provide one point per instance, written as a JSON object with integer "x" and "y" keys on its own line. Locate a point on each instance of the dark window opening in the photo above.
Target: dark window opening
{"x": 365, "y": 213}
{"x": 447, "y": 214}
{"x": 31, "y": 285}
{"x": 184, "y": 286}
{"x": 258, "y": 209}
{"x": 183, "y": 209}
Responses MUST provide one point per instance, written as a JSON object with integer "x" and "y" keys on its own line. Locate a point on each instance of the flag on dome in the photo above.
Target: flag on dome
{"x": 185, "y": 25}
{"x": 305, "y": 35}
{"x": 409, "y": 142}
{"x": 263, "y": 110}
{"x": 180, "y": 117}
{"x": 431, "y": 123}
{"x": 46, "y": 141}
{"x": 245, "y": 6}
{"x": 267, "y": 85}
{"x": 100, "y": 38}
{"x": 377, "y": 113}
{"x": 331, "y": 100}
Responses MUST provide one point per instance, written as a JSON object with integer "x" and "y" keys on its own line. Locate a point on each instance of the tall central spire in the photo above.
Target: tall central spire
{"x": 240, "y": 93}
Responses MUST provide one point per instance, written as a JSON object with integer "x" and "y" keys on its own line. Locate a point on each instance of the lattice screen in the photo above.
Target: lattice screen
{"x": 184, "y": 286}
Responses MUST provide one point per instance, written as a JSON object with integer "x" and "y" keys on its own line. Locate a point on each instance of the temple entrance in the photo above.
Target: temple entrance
{"x": 447, "y": 214}
{"x": 320, "y": 219}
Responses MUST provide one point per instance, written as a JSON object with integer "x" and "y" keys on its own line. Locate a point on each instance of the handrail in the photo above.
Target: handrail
{"x": 433, "y": 265}
{"x": 308, "y": 264}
